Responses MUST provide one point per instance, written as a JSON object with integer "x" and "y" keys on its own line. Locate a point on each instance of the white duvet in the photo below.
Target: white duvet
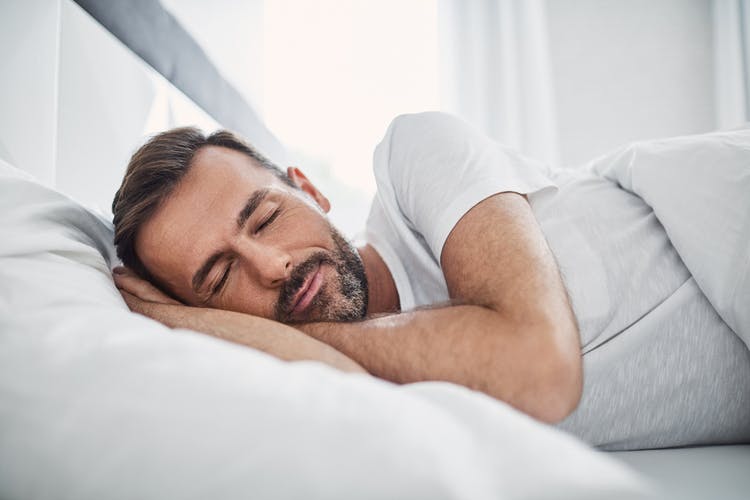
{"x": 97, "y": 402}
{"x": 699, "y": 189}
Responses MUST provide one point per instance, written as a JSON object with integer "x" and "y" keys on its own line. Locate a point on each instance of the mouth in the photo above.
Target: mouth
{"x": 310, "y": 288}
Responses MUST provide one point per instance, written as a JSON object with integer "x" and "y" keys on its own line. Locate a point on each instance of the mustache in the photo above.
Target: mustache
{"x": 296, "y": 281}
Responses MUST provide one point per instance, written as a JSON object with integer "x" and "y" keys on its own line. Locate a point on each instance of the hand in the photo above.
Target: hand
{"x": 266, "y": 335}
{"x": 139, "y": 293}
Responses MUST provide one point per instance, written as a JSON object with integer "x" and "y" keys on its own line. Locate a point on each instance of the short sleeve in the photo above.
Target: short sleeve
{"x": 434, "y": 167}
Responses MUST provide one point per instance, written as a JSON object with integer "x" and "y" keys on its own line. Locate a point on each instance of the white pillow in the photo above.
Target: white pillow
{"x": 97, "y": 402}
{"x": 699, "y": 188}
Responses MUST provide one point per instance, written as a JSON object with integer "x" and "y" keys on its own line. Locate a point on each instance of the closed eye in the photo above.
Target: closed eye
{"x": 222, "y": 281}
{"x": 268, "y": 220}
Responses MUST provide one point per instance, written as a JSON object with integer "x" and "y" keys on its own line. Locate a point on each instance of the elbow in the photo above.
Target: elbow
{"x": 562, "y": 392}
{"x": 548, "y": 393}
{"x": 560, "y": 400}
{"x": 560, "y": 383}
{"x": 550, "y": 402}
{"x": 546, "y": 382}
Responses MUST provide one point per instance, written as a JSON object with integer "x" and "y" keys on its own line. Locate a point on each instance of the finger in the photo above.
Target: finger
{"x": 138, "y": 305}
{"x": 141, "y": 288}
{"x": 123, "y": 271}
{"x": 125, "y": 278}
{"x": 134, "y": 285}
{"x": 129, "y": 283}
{"x": 131, "y": 300}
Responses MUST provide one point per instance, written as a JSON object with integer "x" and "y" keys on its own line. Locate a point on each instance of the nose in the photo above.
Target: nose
{"x": 269, "y": 265}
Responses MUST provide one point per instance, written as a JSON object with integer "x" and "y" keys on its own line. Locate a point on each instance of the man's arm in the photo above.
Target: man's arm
{"x": 515, "y": 336}
{"x": 265, "y": 335}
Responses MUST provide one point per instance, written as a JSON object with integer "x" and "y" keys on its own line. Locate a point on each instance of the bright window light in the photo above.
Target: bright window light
{"x": 335, "y": 73}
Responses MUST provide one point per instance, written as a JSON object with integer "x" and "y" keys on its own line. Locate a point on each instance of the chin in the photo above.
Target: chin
{"x": 335, "y": 309}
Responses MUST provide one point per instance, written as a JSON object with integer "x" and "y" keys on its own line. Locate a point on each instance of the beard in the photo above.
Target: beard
{"x": 341, "y": 299}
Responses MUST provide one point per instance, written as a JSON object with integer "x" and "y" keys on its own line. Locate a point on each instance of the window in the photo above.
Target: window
{"x": 335, "y": 73}
{"x": 327, "y": 77}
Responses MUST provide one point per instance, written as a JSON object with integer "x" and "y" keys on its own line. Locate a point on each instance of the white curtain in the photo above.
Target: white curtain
{"x": 495, "y": 71}
{"x": 732, "y": 62}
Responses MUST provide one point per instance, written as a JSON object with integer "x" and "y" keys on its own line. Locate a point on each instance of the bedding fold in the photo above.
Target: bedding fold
{"x": 701, "y": 195}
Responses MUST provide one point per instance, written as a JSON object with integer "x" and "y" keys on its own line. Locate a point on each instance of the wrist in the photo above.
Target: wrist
{"x": 318, "y": 331}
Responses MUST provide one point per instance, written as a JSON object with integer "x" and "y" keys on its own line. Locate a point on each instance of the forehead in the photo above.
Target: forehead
{"x": 216, "y": 162}
{"x": 200, "y": 213}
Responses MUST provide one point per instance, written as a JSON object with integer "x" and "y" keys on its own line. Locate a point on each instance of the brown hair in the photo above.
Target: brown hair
{"x": 153, "y": 173}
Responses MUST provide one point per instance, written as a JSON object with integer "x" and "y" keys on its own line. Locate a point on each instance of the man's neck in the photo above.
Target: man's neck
{"x": 381, "y": 289}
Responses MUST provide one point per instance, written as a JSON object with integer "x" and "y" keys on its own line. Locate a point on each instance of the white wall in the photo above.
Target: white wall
{"x": 329, "y": 76}
{"x": 28, "y": 85}
{"x": 108, "y": 102}
{"x": 628, "y": 70}
{"x": 76, "y": 102}
{"x": 231, "y": 34}
{"x": 622, "y": 70}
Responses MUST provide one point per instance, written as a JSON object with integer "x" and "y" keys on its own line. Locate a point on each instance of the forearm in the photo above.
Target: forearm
{"x": 467, "y": 345}
{"x": 265, "y": 335}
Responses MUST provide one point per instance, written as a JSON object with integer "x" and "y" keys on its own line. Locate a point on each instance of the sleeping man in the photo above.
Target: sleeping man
{"x": 479, "y": 267}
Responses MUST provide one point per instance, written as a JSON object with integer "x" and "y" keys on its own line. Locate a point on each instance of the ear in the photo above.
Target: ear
{"x": 302, "y": 182}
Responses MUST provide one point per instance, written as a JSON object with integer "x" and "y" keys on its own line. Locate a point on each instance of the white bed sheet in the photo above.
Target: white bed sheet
{"x": 699, "y": 473}
{"x": 97, "y": 402}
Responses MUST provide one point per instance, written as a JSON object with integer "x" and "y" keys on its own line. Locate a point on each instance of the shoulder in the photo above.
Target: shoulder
{"x": 424, "y": 140}
{"x": 411, "y": 127}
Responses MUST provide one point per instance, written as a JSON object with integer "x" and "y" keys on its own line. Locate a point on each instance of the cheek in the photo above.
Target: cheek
{"x": 304, "y": 223}
{"x": 245, "y": 297}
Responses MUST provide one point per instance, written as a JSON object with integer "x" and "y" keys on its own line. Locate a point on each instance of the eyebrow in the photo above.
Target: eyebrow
{"x": 252, "y": 203}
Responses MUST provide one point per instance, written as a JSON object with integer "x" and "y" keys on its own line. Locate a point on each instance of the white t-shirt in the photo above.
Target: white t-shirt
{"x": 430, "y": 169}
{"x": 649, "y": 337}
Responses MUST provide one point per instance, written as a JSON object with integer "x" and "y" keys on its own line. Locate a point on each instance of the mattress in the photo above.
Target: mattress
{"x": 698, "y": 473}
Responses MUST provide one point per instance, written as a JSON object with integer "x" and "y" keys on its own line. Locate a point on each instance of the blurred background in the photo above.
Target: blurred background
{"x": 560, "y": 80}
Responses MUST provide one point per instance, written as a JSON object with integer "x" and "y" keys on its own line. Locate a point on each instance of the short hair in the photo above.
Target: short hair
{"x": 154, "y": 171}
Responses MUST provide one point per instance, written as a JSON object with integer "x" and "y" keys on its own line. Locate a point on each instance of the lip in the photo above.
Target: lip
{"x": 309, "y": 290}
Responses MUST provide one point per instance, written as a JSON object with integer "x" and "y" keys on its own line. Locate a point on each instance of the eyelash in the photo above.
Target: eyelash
{"x": 268, "y": 221}
{"x": 222, "y": 281}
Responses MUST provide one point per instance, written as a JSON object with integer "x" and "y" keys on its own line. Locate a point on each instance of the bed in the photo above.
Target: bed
{"x": 96, "y": 402}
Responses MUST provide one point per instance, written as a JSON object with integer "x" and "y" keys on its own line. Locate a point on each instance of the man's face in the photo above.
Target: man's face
{"x": 233, "y": 236}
